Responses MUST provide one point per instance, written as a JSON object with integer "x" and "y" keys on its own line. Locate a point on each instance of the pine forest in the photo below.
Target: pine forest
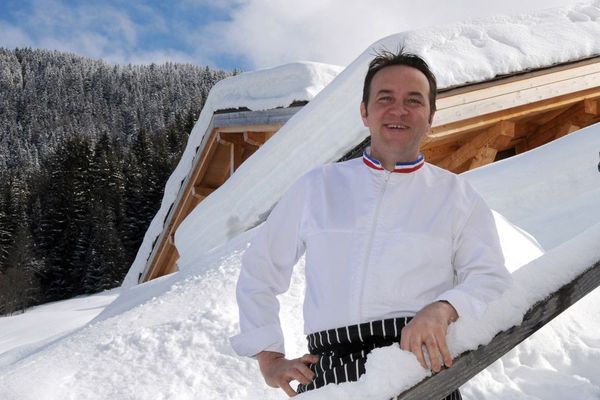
{"x": 86, "y": 148}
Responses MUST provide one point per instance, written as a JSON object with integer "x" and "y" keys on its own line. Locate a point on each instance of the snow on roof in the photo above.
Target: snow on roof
{"x": 269, "y": 88}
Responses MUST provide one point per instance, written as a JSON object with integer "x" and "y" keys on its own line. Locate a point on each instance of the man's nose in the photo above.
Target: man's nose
{"x": 398, "y": 109}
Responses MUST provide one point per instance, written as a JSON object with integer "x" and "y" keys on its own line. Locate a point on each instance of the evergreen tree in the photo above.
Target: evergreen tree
{"x": 19, "y": 287}
{"x": 105, "y": 262}
{"x": 64, "y": 196}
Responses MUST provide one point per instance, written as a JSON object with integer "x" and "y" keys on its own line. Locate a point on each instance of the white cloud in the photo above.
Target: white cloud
{"x": 254, "y": 34}
{"x": 13, "y": 36}
{"x": 267, "y": 33}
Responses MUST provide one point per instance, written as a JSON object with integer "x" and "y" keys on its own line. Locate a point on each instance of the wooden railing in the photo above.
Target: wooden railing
{"x": 470, "y": 363}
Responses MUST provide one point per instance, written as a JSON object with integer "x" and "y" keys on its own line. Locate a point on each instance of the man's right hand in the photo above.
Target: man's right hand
{"x": 278, "y": 371}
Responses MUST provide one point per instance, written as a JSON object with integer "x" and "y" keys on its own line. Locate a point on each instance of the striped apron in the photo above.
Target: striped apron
{"x": 344, "y": 351}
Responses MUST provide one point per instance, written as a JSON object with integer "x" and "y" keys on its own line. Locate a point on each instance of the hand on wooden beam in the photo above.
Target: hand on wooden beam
{"x": 428, "y": 330}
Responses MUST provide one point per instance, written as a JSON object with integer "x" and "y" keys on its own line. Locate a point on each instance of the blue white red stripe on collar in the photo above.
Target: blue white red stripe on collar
{"x": 402, "y": 168}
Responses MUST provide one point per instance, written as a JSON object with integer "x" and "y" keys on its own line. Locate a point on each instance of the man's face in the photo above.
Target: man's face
{"x": 398, "y": 114}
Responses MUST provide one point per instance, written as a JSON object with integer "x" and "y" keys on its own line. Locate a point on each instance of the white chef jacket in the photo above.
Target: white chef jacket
{"x": 378, "y": 245}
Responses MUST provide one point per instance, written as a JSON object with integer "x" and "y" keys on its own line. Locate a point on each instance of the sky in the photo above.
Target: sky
{"x": 228, "y": 34}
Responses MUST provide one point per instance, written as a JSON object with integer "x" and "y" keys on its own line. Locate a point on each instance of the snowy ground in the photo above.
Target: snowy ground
{"x": 168, "y": 339}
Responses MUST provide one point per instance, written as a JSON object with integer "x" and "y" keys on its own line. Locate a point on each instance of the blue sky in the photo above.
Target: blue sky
{"x": 244, "y": 34}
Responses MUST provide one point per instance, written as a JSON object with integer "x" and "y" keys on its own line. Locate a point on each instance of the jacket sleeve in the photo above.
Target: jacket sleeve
{"x": 480, "y": 273}
{"x": 266, "y": 271}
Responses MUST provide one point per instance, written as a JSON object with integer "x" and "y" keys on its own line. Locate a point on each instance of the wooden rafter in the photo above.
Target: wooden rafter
{"x": 493, "y": 137}
{"x": 574, "y": 117}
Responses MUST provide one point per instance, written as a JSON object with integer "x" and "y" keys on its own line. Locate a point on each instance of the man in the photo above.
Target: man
{"x": 396, "y": 249}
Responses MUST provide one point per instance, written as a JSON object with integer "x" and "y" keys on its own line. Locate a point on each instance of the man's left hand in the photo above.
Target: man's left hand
{"x": 428, "y": 328}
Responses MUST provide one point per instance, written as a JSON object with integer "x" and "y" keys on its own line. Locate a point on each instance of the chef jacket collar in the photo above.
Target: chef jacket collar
{"x": 402, "y": 168}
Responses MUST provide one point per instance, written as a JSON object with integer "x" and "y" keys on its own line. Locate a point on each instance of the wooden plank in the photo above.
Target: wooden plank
{"x": 579, "y": 114}
{"x": 219, "y": 169}
{"x": 438, "y": 152}
{"x": 470, "y": 363}
{"x": 164, "y": 259}
{"x": 483, "y": 120}
{"x": 248, "y": 151}
{"x": 229, "y": 138}
{"x": 446, "y": 115}
{"x": 522, "y": 146}
{"x": 487, "y": 138}
{"x": 257, "y": 138}
{"x": 203, "y": 191}
{"x": 250, "y": 128}
{"x": 484, "y": 156}
{"x": 515, "y": 84}
{"x": 236, "y": 157}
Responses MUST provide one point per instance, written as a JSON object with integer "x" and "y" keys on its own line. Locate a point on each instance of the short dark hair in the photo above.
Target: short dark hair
{"x": 385, "y": 58}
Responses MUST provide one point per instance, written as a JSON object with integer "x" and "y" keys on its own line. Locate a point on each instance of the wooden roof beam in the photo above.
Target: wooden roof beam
{"x": 257, "y": 138}
{"x": 483, "y": 156}
{"x": 439, "y": 132}
{"x": 496, "y": 136}
{"x": 230, "y": 138}
{"x": 202, "y": 191}
{"x": 571, "y": 119}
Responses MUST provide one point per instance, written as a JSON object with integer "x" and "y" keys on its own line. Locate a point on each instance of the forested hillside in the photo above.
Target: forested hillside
{"x": 85, "y": 150}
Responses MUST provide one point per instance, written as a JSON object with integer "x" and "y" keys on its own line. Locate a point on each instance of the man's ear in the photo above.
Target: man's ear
{"x": 363, "y": 113}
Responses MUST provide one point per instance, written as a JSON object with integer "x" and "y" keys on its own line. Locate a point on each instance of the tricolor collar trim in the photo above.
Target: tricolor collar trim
{"x": 402, "y": 168}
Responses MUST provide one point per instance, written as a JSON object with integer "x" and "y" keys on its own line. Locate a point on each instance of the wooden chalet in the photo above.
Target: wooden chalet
{"x": 474, "y": 125}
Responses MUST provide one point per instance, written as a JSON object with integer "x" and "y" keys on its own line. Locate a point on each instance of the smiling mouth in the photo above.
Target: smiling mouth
{"x": 396, "y": 126}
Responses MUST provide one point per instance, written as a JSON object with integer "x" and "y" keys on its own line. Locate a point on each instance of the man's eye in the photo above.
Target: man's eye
{"x": 385, "y": 99}
{"x": 415, "y": 101}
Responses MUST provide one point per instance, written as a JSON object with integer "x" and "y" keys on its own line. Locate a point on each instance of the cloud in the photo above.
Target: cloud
{"x": 13, "y": 36}
{"x": 248, "y": 34}
{"x": 266, "y": 33}
{"x": 95, "y": 29}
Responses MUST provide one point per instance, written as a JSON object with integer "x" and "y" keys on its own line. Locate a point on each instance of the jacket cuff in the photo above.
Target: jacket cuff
{"x": 465, "y": 305}
{"x": 266, "y": 338}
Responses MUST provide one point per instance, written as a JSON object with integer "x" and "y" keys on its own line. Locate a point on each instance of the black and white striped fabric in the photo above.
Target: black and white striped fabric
{"x": 344, "y": 350}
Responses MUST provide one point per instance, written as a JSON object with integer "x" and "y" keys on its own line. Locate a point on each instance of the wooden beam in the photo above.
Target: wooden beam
{"x": 484, "y": 156}
{"x": 483, "y": 121}
{"x": 470, "y": 363}
{"x": 249, "y": 128}
{"x": 501, "y": 132}
{"x": 579, "y": 114}
{"x": 202, "y": 191}
{"x": 236, "y": 157}
{"x": 521, "y": 147}
{"x": 436, "y": 152}
{"x": 257, "y": 138}
{"x": 514, "y": 83}
{"x": 229, "y": 138}
{"x": 497, "y": 96}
